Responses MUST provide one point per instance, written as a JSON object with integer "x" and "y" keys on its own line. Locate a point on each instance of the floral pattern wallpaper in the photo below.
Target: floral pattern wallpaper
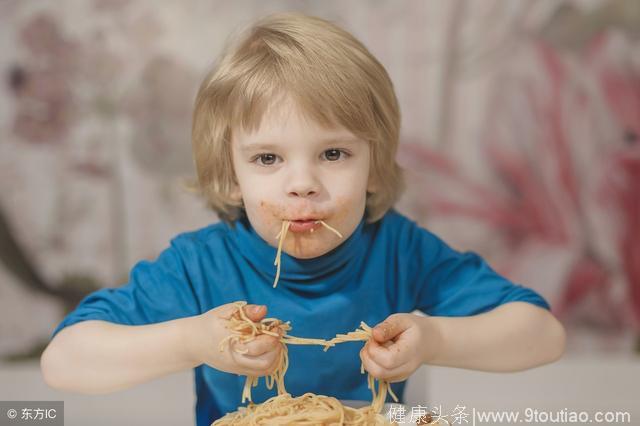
{"x": 520, "y": 140}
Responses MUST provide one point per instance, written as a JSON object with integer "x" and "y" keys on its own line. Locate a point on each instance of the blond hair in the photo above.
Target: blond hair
{"x": 330, "y": 76}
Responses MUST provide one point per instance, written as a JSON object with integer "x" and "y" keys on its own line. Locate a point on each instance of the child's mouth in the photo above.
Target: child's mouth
{"x": 304, "y": 225}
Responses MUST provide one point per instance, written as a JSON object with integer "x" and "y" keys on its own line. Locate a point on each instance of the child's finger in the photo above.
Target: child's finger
{"x": 389, "y": 356}
{"x": 255, "y": 312}
{"x": 250, "y": 371}
{"x": 377, "y": 370}
{"x": 390, "y": 328}
{"x": 262, "y": 364}
{"x": 225, "y": 311}
{"x": 258, "y": 346}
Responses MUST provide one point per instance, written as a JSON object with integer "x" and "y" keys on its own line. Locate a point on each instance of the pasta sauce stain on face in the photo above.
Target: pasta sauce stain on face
{"x": 305, "y": 244}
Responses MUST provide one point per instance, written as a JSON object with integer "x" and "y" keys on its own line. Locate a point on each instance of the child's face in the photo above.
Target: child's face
{"x": 292, "y": 168}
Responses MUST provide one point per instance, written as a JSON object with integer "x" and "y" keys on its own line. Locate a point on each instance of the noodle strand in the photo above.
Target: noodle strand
{"x": 335, "y": 231}
{"x": 282, "y": 235}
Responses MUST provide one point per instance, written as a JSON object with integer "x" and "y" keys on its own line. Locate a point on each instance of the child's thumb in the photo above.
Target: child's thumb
{"x": 390, "y": 328}
{"x": 255, "y": 312}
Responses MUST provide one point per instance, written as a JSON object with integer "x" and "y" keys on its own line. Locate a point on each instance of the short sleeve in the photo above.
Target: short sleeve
{"x": 463, "y": 284}
{"x": 157, "y": 291}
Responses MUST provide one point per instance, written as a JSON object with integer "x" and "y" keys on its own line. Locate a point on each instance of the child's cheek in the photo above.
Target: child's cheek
{"x": 342, "y": 210}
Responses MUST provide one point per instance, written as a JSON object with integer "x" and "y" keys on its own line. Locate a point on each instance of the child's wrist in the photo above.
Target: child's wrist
{"x": 433, "y": 345}
{"x": 192, "y": 340}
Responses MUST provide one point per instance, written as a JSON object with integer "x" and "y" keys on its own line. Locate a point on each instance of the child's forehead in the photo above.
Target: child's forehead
{"x": 285, "y": 115}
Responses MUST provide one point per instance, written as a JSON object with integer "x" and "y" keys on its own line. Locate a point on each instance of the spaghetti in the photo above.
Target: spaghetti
{"x": 244, "y": 330}
{"x": 308, "y": 408}
{"x": 335, "y": 231}
{"x": 282, "y": 235}
{"x": 364, "y": 333}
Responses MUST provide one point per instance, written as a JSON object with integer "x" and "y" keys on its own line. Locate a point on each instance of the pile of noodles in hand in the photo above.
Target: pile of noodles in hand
{"x": 308, "y": 409}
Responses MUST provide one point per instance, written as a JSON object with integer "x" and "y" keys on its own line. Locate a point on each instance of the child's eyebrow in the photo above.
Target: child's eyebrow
{"x": 258, "y": 146}
{"x": 341, "y": 140}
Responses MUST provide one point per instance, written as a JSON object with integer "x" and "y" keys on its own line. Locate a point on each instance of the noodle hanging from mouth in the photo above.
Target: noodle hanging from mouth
{"x": 308, "y": 409}
{"x": 335, "y": 231}
{"x": 281, "y": 237}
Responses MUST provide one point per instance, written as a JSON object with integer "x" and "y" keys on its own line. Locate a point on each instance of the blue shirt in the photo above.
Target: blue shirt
{"x": 389, "y": 266}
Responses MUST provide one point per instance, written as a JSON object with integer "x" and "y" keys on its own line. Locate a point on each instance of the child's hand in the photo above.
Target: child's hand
{"x": 400, "y": 344}
{"x": 209, "y": 329}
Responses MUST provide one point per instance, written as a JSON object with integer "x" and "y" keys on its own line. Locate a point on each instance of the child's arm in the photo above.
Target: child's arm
{"x": 100, "y": 357}
{"x": 511, "y": 337}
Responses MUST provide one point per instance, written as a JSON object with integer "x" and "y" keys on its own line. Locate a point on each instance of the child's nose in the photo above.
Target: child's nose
{"x": 303, "y": 184}
{"x": 302, "y": 190}
{"x": 303, "y": 193}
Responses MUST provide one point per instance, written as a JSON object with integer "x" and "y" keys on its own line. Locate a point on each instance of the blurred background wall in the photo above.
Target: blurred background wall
{"x": 521, "y": 124}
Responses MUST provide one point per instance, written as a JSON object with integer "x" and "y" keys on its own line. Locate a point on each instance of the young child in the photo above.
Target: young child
{"x": 298, "y": 124}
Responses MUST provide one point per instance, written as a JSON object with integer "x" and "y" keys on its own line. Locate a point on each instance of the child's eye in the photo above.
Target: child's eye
{"x": 265, "y": 159}
{"x": 334, "y": 154}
